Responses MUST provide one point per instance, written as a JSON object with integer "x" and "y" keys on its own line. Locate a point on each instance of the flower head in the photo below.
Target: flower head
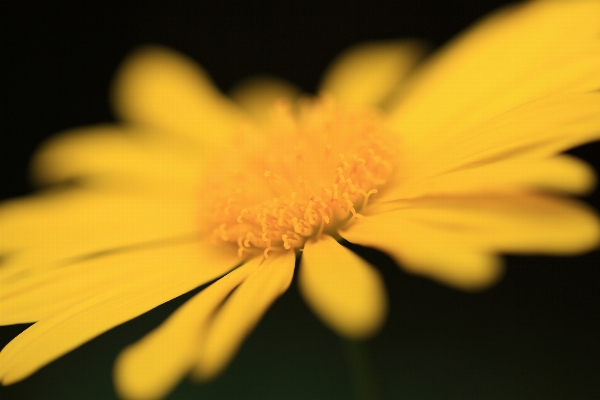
{"x": 442, "y": 167}
{"x": 298, "y": 178}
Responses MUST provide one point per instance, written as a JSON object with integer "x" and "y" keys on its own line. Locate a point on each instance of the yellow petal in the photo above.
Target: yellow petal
{"x": 241, "y": 312}
{"x": 560, "y": 173}
{"x": 258, "y": 95}
{"x": 518, "y": 54}
{"x": 134, "y": 283}
{"x": 525, "y": 223}
{"x": 166, "y": 165}
{"x": 58, "y": 226}
{"x": 450, "y": 239}
{"x": 161, "y": 89}
{"x": 37, "y": 293}
{"x": 345, "y": 292}
{"x": 371, "y": 72}
{"x": 150, "y": 368}
{"x": 423, "y": 250}
{"x": 537, "y": 129}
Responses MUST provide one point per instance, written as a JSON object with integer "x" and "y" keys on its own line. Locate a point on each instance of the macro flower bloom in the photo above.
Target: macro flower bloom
{"x": 442, "y": 167}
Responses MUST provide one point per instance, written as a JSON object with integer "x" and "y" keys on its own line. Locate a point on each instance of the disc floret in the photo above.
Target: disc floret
{"x": 304, "y": 174}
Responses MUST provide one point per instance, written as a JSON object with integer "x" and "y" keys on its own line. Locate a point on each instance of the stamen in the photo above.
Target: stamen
{"x": 321, "y": 202}
{"x": 224, "y": 235}
{"x": 240, "y": 247}
{"x": 228, "y": 207}
{"x": 321, "y": 228}
{"x": 324, "y": 216}
{"x": 286, "y": 242}
{"x": 349, "y": 204}
{"x": 242, "y": 213}
{"x": 350, "y": 185}
{"x": 308, "y": 214}
{"x": 266, "y": 252}
{"x": 280, "y": 221}
{"x": 366, "y": 197}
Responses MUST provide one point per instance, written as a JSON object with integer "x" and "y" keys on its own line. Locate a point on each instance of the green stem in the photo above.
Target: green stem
{"x": 363, "y": 379}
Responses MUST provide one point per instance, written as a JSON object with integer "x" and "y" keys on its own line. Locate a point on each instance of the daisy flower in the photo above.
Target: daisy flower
{"x": 443, "y": 167}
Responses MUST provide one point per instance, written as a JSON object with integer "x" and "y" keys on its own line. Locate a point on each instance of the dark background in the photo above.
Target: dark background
{"x": 532, "y": 336}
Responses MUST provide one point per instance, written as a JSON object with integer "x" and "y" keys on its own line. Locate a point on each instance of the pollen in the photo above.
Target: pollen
{"x": 309, "y": 171}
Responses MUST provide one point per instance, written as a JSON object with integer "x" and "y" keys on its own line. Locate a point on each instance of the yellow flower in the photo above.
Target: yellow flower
{"x": 442, "y": 167}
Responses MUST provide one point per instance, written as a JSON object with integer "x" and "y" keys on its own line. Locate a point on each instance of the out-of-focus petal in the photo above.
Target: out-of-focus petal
{"x": 149, "y": 163}
{"x": 52, "y": 229}
{"x": 188, "y": 263}
{"x": 450, "y": 238}
{"x": 258, "y": 95}
{"x": 345, "y": 292}
{"x": 538, "y": 129}
{"x": 370, "y": 73}
{"x": 84, "y": 301}
{"x": 559, "y": 173}
{"x": 161, "y": 89}
{"x": 421, "y": 250}
{"x": 151, "y": 367}
{"x": 516, "y": 55}
{"x": 241, "y": 312}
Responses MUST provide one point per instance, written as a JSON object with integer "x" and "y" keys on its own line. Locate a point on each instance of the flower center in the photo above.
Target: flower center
{"x": 305, "y": 173}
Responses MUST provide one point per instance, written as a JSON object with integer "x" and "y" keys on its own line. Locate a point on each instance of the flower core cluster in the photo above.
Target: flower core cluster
{"x": 307, "y": 172}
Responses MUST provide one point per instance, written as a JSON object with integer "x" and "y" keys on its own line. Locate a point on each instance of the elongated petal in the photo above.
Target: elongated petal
{"x": 535, "y": 130}
{"x": 161, "y": 89}
{"x": 258, "y": 95}
{"x": 421, "y": 250}
{"x": 370, "y": 73}
{"x": 35, "y": 294}
{"x": 560, "y": 173}
{"x": 162, "y": 166}
{"x": 46, "y": 230}
{"x": 151, "y": 367}
{"x": 343, "y": 290}
{"x": 518, "y": 54}
{"x": 450, "y": 239}
{"x": 132, "y": 284}
{"x": 241, "y": 312}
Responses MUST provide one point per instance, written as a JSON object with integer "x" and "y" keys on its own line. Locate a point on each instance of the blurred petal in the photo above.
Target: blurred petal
{"x": 151, "y": 367}
{"x": 342, "y": 289}
{"x": 241, "y": 312}
{"x": 53, "y": 228}
{"x": 538, "y": 129}
{"x": 560, "y": 173}
{"x": 127, "y": 285}
{"x": 161, "y": 89}
{"x": 36, "y": 293}
{"x": 516, "y": 55}
{"x": 450, "y": 238}
{"x": 258, "y": 95}
{"x": 112, "y": 153}
{"x": 371, "y": 72}
{"x": 436, "y": 254}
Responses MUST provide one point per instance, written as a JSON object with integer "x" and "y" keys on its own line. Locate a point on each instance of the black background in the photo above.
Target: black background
{"x": 532, "y": 336}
